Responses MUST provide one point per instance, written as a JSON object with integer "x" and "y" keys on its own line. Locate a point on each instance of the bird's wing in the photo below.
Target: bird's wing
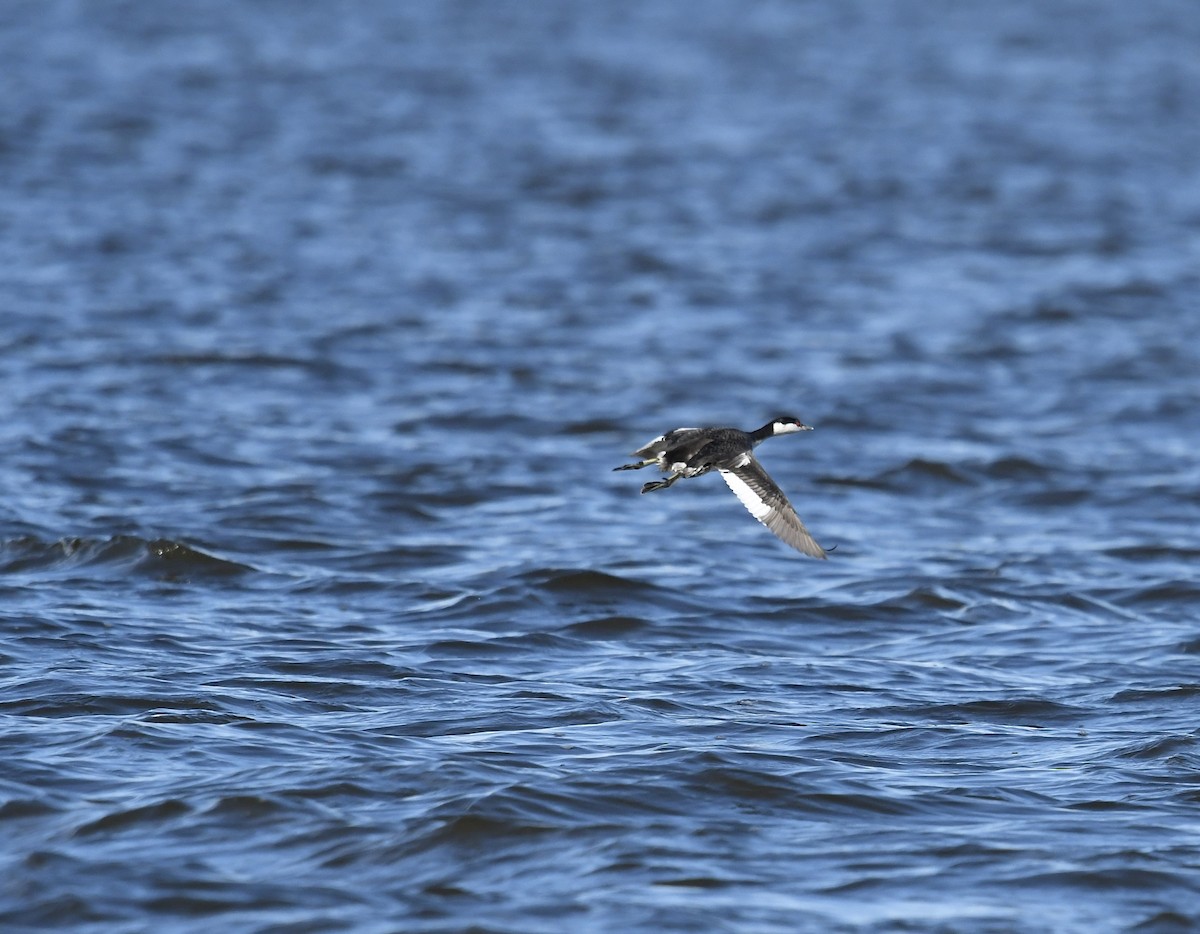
{"x": 768, "y": 505}
{"x": 662, "y": 442}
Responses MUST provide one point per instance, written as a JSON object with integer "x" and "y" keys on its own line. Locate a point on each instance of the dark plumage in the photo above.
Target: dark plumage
{"x": 690, "y": 452}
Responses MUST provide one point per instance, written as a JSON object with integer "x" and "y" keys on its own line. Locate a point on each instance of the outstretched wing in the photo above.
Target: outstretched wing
{"x": 680, "y": 436}
{"x": 768, "y": 505}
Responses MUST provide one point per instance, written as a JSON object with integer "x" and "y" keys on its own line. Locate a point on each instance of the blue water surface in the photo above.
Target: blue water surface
{"x": 322, "y": 326}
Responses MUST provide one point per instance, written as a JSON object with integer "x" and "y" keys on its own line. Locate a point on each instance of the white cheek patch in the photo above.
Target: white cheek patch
{"x": 751, "y": 500}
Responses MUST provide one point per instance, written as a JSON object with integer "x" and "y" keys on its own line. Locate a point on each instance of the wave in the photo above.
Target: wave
{"x": 121, "y": 555}
{"x": 926, "y": 475}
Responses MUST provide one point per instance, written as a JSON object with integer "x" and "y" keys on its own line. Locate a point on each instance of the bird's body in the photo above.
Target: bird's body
{"x": 691, "y": 452}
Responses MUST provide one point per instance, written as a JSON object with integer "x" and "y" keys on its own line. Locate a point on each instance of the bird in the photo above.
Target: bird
{"x": 692, "y": 452}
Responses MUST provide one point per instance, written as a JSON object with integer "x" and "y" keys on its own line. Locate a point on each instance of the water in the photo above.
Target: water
{"x": 322, "y": 326}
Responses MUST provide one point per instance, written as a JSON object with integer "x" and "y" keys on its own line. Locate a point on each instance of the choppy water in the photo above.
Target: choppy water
{"x": 322, "y": 326}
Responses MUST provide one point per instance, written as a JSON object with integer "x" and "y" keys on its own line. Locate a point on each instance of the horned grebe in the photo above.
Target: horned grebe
{"x": 690, "y": 452}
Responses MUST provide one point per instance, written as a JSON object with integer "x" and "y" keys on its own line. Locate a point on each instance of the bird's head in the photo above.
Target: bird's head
{"x": 786, "y": 424}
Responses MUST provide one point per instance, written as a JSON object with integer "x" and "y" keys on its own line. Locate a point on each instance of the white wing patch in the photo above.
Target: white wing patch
{"x": 750, "y": 499}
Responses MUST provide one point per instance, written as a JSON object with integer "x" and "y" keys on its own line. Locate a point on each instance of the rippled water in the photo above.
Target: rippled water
{"x": 322, "y": 326}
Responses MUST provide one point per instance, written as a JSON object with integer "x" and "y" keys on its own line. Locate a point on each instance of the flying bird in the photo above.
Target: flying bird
{"x": 690, "y": 452}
